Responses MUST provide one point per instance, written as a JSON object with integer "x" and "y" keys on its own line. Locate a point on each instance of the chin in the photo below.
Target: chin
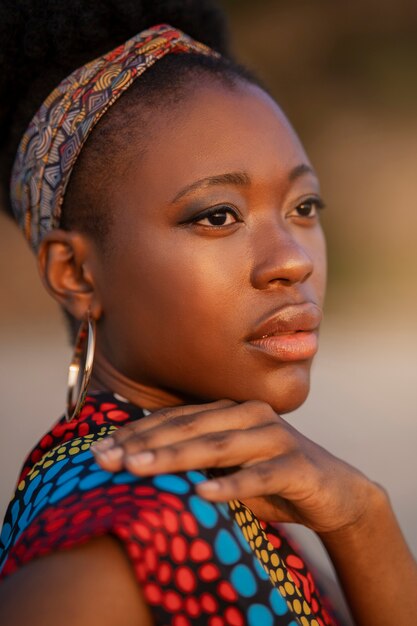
{"x": 286, "y": 389}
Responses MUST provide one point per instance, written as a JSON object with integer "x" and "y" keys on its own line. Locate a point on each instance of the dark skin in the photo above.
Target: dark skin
{"x": 176, "y": 299}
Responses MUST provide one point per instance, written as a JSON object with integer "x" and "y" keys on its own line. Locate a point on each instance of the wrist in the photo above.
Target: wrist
{"x": 377, "y": 508}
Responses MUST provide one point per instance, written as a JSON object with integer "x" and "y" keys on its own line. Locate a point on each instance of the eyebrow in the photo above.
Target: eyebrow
{"x": 237, "y": 178}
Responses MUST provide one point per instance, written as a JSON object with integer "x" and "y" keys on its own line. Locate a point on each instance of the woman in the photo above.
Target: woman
{"x": 174, "y": 214}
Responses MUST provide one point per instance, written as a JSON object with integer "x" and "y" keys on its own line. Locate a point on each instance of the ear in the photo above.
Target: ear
{"x": 65, "y": 261}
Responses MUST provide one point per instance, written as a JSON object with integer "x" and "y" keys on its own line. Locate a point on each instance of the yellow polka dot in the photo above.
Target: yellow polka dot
{"x": 289, "y": 587}
{"x": 232, "y": 505}
{"x": 258, "y": 554}
{"x": 33, "y": 475}
{"x": 270, "y": 546}
{"x": 306, "y": 608}
{"x": 249, "y": 516}
{"x": 245, "y": 533}
{"x": 76, "y": 442}
{"x": 297, "y": 606}
{"x": 252, "y": 544}
{"x": 250, "y": 532}
{"x": 21, "y": 485}
{"x": 73, "y": 451}
{"x": 273, "y": 575}
{"x": 280, "y": 574}
{"x": 258, "y": 541}
{"x": 274, "y": 559}
{"x": 86, "y": 446}
{"x": 265, "y": 556}
{"x": 61, "y": 449}
{"x": 314, "y": 622}
{"x": 61, "y": 457}
{"x": 304, "y": 621}
{"x": 289, "y": 603}
{"x": 254, "y": 528}
{"x": 282, "y": 590}
{"x": 48, "y": 463}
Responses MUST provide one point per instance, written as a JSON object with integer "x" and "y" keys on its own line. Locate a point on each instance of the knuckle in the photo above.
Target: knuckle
{"x": 265, "y": 473}
{"x": 186, "y": 424}
{"x": 260, "y": 409}
{"x": 219, "y": 441}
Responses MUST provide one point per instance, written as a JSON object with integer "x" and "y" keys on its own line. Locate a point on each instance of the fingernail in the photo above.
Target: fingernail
{"x": 143, "y": 458}
{"x": 114, "y": 454}
{"x": 210, "y": 485}
{"x": 103, "y": 444}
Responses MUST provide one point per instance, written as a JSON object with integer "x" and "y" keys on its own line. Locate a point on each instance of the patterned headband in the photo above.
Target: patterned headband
{"x": 54, "y": 139}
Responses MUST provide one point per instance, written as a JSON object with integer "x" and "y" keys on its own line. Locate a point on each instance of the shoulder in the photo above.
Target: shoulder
{"x": 63, "y": 587}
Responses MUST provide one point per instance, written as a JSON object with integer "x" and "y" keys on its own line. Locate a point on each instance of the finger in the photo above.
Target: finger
{"x": 191, "y": 426}
{"x": 155, "y": 419}
{"x": 282, "y": 476}
{"x": 226, "y": 448}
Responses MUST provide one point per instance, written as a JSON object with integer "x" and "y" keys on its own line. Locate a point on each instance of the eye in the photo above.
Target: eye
{"x": 217, "y": 216}
{"x": 308, "y": 209}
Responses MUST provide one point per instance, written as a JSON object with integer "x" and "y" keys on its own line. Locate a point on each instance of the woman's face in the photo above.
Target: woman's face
{"x": 217, "y": 243}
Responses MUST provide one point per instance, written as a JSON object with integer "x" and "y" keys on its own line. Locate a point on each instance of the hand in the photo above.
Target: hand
{"x": 280, "y": 474}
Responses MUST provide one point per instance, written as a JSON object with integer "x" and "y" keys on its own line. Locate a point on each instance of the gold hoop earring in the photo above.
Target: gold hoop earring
{"x": 82, "y": 363}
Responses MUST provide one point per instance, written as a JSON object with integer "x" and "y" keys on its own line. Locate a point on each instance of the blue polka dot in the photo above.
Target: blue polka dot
{"x": 224, "y": 509}
{"x": 260, "y": 570}
{"x": 239, "y": 535}
{"x": 24, "y": 518}
{"x": 293, "y": 623}
{"x": 15, "y": 511}
{"x": 82, "y": 456}
{"x": 123, "y": 478}
{"x": 259, "y": 614}
{"x": 243, "y": 580}
{"x": 226, "y": 548}
{"x": 74, "y": 471}
{"x": 33, "y": 484}
{"x": 205, "y": 512}
{"x": 5, "y": 533}
{"x": 171, "y": 483}
{"x": 94, "y": 479}
{"x": 279, "y": 606}
{"x": 42, "y": 493}
{"x": 54, "y": 469}
{"x": 196, "y": 477}
{"x": 63, "y": 491}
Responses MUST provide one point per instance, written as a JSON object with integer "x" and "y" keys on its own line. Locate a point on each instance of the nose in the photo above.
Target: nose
{"x": 279, "y": 259}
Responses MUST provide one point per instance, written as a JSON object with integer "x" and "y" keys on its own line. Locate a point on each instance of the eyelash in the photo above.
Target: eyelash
{"x": 225, "y": 209}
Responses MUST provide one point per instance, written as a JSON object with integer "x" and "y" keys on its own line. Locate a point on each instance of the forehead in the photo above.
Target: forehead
{"x": 217, "y": 128}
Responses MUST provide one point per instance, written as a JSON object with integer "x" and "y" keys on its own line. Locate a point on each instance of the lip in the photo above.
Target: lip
{"x": 290, "y": 333}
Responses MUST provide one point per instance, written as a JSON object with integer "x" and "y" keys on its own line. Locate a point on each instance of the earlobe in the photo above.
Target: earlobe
{"x": 64, "y": 261}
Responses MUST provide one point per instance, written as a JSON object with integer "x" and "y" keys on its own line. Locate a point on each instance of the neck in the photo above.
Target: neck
{"x": 106, "y": 378}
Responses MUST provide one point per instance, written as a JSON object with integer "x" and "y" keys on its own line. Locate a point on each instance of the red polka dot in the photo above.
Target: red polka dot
{"x": 135, "y": 551}
{"x": 153, "y": 593}
{"x": 200, "y": 550}
{"x": 46, "y": 441}
{"x": 216, "y": 621}
{"x": 83, "y": 429}
{"x": 107, "y": 406}
{"x": 172, "y": 501}
{"x": 294, "y": 561}
{"x": 160, "y": 542}
{"x": 104, "y": 511}
{"x": 142, "y": 531}
{"x": 81, "y": 517}
{"x": 144, "y": 491}
{"x": 170, "y": 520}
{"x": 226, "y": 591}
{"x": 233, "y": 616}
{"x": 276, "y": 541}
{"x": 185, "y": 579}
{"x": 86, "y": 411}
{"x": 117, "y": 416}
{"x": 164, "y": 573}
{"x": 180, "y": 620}
{"x": 192, "y": 606}
{"x": 172, "y": 601}
{"x": 53, "y": 526}
{"x": 150, "y": 559}
{"x": 178, "y": 549}
{"x": 208, "y": 603}
{"x": 189, "y": 524}
{"x": 152, "y": 518}
{"x": 208, "y": 572}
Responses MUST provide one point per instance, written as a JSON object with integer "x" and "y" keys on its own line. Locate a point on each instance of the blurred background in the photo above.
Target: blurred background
{"x": 345, "y": 73}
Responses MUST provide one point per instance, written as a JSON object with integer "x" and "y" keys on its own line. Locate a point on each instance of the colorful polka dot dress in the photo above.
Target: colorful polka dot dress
{"x": 198, "y": 563}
